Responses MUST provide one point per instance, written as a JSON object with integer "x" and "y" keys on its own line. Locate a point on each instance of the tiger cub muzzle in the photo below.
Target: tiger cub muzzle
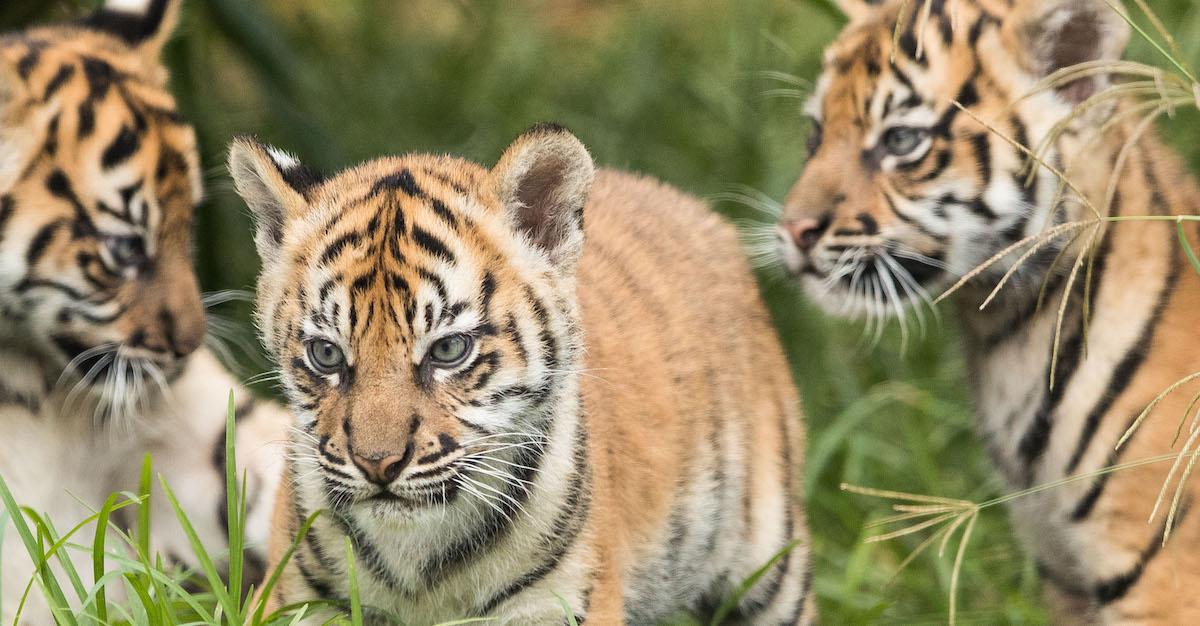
{"x": 387, "y": 462}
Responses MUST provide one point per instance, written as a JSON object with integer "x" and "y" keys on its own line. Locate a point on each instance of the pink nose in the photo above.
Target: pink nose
{"x": 381, "y": 471}
{"x": 804, "y": 232}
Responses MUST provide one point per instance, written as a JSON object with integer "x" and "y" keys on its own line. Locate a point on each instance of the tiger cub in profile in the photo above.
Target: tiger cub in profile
{"x": 500, "y": 407}
{"x": 904, "y": 193}
{"x": 101, "y": 319}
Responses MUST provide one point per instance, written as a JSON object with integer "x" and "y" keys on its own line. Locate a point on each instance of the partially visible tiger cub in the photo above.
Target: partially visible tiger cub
{"x": 500, "y": 407}
{"x": 99, "y": 306}
{"x": 904, "y": 193}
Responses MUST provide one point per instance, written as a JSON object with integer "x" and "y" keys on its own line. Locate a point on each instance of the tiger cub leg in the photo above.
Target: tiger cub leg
{"x": 775, "y": 522}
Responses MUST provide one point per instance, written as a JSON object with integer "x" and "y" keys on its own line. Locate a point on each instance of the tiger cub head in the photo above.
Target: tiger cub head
{"x": 422, "y": 310}
{"x": 98, "y": 178}
{"x": 906, "y": 188}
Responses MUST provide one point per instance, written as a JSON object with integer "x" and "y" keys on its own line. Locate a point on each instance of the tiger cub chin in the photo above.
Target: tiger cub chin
{"x": 913, "y": 182}
{"x": 500, "y": 407}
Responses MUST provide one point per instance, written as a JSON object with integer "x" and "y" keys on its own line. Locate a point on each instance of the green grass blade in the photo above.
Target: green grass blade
{"x": 234, "y": 505}
{"x": 98, "y": 557}
{"x": 206, "y": 563}
{"x": 141, "y": 588}
{"x": 269, "y": 587}
{"x": 45, "y": 578}
{"x": 189, "y": 599}
{"x": 145, "y": 483}
{"x": 567, "y": 610}
{"x": 165, "y": 612}
{"x": 356, "y": 617}
{"x": 3, "y": 531}
{"x": 64, "y": 560}
{"x": 1187, "y": 247}
{"x": 727, "y": 607}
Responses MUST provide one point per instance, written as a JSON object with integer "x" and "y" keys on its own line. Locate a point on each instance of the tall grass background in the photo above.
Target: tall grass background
{"x": 704, "y": 94}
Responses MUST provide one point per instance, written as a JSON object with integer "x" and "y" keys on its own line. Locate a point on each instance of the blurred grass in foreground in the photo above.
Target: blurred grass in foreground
{"x": 676, "y": 90}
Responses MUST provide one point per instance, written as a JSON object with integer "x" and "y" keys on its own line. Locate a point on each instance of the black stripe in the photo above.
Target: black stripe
{"x": 322, "y": 588}
{"x": 60, "y": 187}
{"x": 1037, "y": 436}
{"x": 912, "y": 221}
{"x": 337, "y": 246}
{"x": 981, "y": 144}
{"x": 29, "y": 60}
{"x": 100, "y": 77}
{"x": 1117, "y": 587}
{"x": 805, "y": 590}
{"x": 431, "y": 244}
{"x": 445, "y": 180}
{"x": 902, "y": 77}
{"x": 40, "y": 242}
{"x": 7, "y": 208}
{"x": 487, "y": 290}
{"x": 87, "y": 120}
{"x": 564, "y": 531}
{"x": 27, "y": 284}
{"x": 402, "y": 180}
{"x": 367, "y": 552}
{"x": 939, "y": 167}
{"x": 60, "y": 78}
{"x": 123, "y": 146}
{"x": 436, "y": 281}
{"x": 494, "y": 526}
{"x": 300, "y": 178}
{"x": 1085, "y": 505}
{"x": 1124, "y": 372}
{"x": 967, "y": 97}
{"x": 443, "y": 212}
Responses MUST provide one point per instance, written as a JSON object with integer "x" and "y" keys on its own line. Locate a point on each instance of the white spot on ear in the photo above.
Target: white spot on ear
{"x": 282, "y": 159}
{"x": 128, "y": 6}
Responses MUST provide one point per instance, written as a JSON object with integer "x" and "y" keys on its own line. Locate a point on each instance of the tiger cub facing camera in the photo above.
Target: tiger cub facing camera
{"x": 500, "y": 407}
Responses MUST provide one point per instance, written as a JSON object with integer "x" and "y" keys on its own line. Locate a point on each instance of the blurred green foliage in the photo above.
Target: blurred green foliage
{"x": 674, "y": 89}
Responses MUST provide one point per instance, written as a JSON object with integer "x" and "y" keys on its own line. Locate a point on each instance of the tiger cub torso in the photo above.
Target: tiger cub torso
{"x": 900, "y": 174}
{"x": 500, "y": 408}
{"x": 101, "y": 319}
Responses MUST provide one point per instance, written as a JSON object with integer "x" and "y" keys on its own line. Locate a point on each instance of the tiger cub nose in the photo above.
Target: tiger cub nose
{"x": 381, "y": 471}
{"x": 805, "y": 232}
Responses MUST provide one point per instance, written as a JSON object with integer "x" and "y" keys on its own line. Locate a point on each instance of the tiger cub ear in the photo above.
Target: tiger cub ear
{"x": 274, "y": 185}
{"x": 146, "y": 25}
{"x": 1050, "y": 35}
{"x": 543, "y": 180}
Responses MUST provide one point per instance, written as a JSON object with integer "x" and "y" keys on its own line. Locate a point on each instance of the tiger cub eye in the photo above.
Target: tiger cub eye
{"x": 450, "y": 351}
{"x": 325, "y": 356}
{"x": 902, "y": 140}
